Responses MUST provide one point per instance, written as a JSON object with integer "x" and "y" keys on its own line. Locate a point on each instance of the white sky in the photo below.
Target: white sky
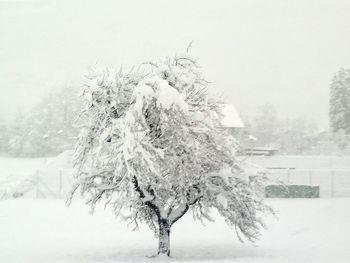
{"x": 256, "y": 52}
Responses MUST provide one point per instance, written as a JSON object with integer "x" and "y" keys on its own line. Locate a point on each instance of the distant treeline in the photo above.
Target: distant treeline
{"x": 47, "y": 129}
{"x": 50, "y": 128}
{"x": 291, "y": 136}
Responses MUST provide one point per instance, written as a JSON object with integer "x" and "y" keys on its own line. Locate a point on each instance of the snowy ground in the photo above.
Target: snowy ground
{"x": 330, "y": 173}
{"x": 19, "y": 167}
{"x": 45, "y": 230}
{"x": 52, "y": 176}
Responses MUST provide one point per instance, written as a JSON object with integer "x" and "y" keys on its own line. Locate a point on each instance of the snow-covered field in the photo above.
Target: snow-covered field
{"x": 45, "y": 230}
{"x": 19, "y": 167}
{"x": 330, "y": 173}
{"x": 43, "y": 177}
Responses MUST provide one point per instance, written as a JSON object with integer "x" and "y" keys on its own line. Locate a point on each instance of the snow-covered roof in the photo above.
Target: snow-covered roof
{"x": 231, "y": 117}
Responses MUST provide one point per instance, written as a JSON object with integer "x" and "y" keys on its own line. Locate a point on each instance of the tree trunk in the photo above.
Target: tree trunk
{"x": 164, "y": 237}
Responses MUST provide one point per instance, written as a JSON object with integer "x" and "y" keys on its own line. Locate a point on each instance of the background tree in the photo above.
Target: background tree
{"x": 152, "y": 148}
{"x": 291, "y": 136}
{"x": 266, "y": 126}
{"x": 17, "y": 132}
{"x": 341, "y": 139}
{"x": 47, "y": 129}
{"x": 4, "y": 135}
{"x": 339, "y": 102}
{"x": 297, "y": 136}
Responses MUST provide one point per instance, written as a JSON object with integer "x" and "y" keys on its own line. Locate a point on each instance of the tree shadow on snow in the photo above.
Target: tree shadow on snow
{"x": 187, "y": 253}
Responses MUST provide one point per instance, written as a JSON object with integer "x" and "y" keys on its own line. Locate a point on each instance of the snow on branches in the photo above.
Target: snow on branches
{"x": 152, "y": 147}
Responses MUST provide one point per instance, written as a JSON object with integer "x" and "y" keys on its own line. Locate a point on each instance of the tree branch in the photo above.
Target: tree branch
{"x": 142, "y": 195}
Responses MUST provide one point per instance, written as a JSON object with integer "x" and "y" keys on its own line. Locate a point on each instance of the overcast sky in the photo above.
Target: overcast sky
{"x": 255, "y": 52}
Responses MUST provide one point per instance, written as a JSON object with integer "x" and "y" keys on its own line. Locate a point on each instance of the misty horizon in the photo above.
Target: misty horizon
{"x": 195, "y": 131}
{"x": 279, "y": 53}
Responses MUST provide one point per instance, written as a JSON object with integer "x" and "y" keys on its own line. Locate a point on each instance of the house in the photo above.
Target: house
{"x": 231, "y": 118}
{"x": 232, "y": 121}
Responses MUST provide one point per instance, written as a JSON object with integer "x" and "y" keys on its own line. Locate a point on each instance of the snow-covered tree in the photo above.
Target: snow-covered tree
{"x": 289, "y": 135}
{"x": 297, "y": 136}
{"x": 4, "y": 135}
{"x": 17, "y": 131}
{"x": 152, "y": 148}
{"x": 46, "y": 129}
{"x": 266, "y": 126}
{"x": 339, "y": 102}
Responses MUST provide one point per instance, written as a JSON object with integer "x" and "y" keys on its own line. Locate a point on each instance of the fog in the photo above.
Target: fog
{"x": 255, "y": 52}
{"x": 149, "y": 148}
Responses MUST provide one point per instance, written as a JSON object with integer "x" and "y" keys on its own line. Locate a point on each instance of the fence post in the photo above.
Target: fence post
{"x": 37, "y": 184}
{"x": 310, "y": 177}
{"x": 332, "y": 183}
{"x": 60, "y": 183}
{"x": 288, "y": 175}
